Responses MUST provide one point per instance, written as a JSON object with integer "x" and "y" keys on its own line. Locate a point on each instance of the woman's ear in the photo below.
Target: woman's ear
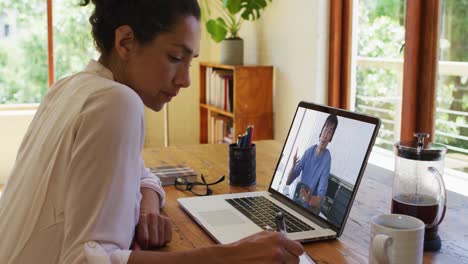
{"x": 125, "y": 41}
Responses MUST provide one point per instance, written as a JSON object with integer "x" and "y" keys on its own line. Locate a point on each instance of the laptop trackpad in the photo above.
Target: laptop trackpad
{"x": 221, "y": 217}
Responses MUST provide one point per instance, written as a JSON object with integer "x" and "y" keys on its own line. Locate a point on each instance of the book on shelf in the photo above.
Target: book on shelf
{"x": 220, "y": 128}
{"x": 219, "y": 88}
{"x": 169, "y": 173}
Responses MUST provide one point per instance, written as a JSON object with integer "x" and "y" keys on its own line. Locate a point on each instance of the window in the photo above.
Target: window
{"x": 24, "y": 48}
{"x": 395, "y": 72}
{"x": 451, "y": 126}
{"x": 378, "y": 78}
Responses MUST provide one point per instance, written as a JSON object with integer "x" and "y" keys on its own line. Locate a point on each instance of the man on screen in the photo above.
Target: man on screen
{"x": 315, "y": 167}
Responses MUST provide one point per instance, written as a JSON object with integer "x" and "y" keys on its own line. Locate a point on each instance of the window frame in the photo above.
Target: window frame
{"x": 339, "y": 53}
{"x": 419, "y": 70}
{"x": 50, "y": 44}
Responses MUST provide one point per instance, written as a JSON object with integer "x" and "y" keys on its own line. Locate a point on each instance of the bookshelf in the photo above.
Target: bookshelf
{"x": 233, "y": 97}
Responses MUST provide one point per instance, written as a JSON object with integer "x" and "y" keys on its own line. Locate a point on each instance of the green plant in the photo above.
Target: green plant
{"x": 233, "y": 14}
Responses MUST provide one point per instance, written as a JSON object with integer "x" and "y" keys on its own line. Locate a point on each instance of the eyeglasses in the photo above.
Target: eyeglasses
{"x": 198, "y": 188}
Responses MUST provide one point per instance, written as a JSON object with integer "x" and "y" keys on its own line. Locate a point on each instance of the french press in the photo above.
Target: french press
{"x": 418, "y": 186}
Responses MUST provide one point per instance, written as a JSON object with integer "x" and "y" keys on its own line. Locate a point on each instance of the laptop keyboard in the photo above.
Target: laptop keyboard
{"x": 262, "y": 212}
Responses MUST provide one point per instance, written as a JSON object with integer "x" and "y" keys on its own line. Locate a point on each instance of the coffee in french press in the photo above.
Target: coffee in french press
{"x": 418, "y": 186}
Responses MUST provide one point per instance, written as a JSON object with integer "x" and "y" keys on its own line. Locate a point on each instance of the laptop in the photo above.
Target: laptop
{"x": 314, "y": 184}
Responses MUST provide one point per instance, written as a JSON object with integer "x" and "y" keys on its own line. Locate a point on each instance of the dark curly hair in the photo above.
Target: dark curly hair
{"x": 147, "y": 18}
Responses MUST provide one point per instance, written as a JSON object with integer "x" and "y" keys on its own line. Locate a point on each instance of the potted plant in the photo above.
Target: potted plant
{"x": 225, "y": 28}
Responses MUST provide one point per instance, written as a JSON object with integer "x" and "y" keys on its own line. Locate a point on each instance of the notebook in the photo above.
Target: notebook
{"x": 314, "y": 184}
{"x": 168, "y": 174}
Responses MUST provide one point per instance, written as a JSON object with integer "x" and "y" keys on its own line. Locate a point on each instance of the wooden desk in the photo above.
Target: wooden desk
{"x": 373, "y": 198}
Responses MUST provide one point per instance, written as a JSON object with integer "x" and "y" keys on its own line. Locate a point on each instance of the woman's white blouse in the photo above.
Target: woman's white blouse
{"x": 74, "y": 193}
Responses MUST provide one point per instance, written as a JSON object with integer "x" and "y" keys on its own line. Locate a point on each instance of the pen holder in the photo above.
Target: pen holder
{"x": 242, "y": 169}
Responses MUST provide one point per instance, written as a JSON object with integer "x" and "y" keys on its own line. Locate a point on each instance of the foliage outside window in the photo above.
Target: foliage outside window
{"x": 381, "y": 34}
{"x": 452, "y": 88}
{"x": 379, "y": 72}
{"x": 23, "y": 52}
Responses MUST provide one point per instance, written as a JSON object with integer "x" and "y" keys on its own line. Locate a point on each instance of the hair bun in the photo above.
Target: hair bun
{"x": 147, "y": 18}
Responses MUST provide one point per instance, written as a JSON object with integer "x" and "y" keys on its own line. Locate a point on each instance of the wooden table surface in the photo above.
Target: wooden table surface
{"x": 374, "y": 197}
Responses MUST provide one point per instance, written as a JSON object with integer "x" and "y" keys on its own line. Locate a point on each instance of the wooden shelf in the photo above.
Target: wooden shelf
{"x": 215, "y": 109}
{"x": 231, "y": 67}
{"x": 251, "y": 99}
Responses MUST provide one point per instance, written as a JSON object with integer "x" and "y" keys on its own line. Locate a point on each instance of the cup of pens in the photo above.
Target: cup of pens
{"x": 242, "y": 168}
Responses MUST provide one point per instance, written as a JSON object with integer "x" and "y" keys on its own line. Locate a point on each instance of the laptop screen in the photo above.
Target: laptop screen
{"x": 322, "y": 159}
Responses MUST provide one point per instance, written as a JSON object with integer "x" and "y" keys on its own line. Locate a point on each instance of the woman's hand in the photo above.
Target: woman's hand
{"x": 153, "y": 230}
{"x": 260, "y": 248}
{"x": 265, "y": 247}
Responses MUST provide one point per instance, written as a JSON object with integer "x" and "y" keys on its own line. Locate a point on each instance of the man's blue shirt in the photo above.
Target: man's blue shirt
{"x": 315, "y": 171}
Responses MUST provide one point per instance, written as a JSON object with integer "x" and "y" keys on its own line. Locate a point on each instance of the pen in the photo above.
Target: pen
{"x": 251, "y": 135}
{"x": 280, "y": 224}
{"x": 245, "y": 140}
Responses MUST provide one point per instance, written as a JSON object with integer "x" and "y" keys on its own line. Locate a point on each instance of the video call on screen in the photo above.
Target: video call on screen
{"x": 321, "y": 161}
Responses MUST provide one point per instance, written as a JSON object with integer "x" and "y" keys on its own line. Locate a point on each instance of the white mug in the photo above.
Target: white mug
{"x": 396, "y": 238}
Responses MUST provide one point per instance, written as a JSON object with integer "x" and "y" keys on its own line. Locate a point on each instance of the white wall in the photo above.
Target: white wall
{"x": 13, "y": 126}
{"x": 293, "y": 37}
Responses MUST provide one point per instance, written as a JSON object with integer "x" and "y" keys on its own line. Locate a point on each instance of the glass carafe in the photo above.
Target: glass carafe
{"x": 418, "y": 186}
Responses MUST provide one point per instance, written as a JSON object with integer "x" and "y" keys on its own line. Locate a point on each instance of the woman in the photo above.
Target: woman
{"x": 79, "y": 192}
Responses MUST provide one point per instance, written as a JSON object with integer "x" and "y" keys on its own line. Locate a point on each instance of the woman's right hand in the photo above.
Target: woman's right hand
{"x": 265, "y": 247}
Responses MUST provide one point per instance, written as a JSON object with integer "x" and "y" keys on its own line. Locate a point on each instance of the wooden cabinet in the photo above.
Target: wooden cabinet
{"x": 236, "y": 96}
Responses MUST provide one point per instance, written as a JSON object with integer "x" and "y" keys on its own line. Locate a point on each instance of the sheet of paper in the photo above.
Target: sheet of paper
{"x": 305, "y": 259}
